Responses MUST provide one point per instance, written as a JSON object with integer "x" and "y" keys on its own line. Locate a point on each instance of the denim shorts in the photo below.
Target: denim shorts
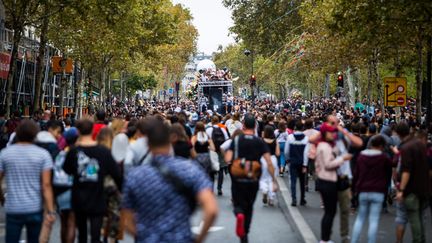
{"x": 401, "y": 214}
{"x": 64, "y": 200}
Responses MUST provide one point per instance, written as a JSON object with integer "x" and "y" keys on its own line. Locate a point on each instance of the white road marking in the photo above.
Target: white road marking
{"x": 305, "y": 230}
{"x": 197, "y": 229}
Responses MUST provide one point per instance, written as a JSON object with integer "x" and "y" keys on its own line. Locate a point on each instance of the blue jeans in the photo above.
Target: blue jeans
{"x": 369, "y": 203}
{"x": 15, "y": 223}
{"x": 282, "y": 160}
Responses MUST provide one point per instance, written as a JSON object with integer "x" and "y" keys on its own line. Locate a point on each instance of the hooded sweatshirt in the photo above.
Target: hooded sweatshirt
{"x": 296, "y": 149}
{"x": 373, "y": 171}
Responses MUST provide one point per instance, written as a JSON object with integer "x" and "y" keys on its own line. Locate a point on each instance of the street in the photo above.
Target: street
{"x": 269, "y": 224}
{"x": 312, "y": 214}
{"x": 275, "y": 224}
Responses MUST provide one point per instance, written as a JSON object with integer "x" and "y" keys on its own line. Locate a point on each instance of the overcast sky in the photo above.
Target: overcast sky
{"x": 212, "y": 20}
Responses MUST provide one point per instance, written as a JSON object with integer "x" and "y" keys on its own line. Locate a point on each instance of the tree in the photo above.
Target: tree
{"x": 19, "y": 13}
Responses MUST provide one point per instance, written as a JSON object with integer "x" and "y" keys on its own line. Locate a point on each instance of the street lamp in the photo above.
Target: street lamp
{"x": 252, "y": 82}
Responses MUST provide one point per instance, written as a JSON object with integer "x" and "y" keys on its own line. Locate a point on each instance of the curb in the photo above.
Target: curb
{"x": 304, "y": 229}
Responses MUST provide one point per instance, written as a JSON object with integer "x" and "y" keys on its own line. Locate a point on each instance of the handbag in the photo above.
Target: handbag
{"x": 244, "y": 169}
{"x": 343, "y": 183}
{"x": 214, "y": 158}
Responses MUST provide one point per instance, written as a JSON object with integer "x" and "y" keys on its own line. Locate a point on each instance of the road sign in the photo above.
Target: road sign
{"x": 60, "y": 64}
{"x": 170, "y": 91}
{"x": 395, "y": 91}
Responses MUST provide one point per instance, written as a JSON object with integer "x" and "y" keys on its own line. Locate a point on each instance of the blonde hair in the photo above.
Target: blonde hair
{"x": 117, "y": 126}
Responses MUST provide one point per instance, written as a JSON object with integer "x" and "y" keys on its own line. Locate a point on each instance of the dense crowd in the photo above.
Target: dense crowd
{"x": 143, "y": 169}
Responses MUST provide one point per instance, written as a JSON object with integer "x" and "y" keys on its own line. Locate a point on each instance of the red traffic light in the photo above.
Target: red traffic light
{"x": 253, "y": 80}
{"x": 340, "y": 80}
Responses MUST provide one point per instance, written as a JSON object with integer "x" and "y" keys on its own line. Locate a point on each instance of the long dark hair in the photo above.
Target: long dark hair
{"x": 269, "y": 132}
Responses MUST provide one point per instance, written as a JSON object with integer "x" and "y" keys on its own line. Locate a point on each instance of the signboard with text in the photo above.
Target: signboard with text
{"x": 4, "y": 65}
{"x": 395, "y": 91}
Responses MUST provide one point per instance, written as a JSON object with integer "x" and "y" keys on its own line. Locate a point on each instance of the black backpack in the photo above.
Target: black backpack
{"x": 218, "y": 137}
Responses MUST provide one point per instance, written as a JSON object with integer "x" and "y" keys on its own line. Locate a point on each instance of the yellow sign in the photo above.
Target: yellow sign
{"x": 60, "y": 65}
{"x": 395, "y": 90}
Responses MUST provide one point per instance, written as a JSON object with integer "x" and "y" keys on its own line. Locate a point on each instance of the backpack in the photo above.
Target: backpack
{"x": 218, "y": 137}
{"x": 244, "y": 169}
{"x": 60, "y": 178}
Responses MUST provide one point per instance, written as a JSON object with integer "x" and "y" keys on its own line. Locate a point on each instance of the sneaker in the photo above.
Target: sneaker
{"x": 244, "y": 239}
{"x": 270, "y": 203}
{"x": 240, "y": 230}
{"x": 220, "y": 193}
{"x": 294, "y": 204}
{"x": 303, "y": 202}
{"x": 265, "y": 198}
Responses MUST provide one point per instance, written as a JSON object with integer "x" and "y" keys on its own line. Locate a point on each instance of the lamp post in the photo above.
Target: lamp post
{"x": 252, "y": 77}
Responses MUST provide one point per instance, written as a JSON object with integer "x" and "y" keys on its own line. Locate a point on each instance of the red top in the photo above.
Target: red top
{"x": 96, "y": 128}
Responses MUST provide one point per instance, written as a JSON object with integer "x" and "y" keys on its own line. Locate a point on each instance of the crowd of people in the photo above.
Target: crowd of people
{"x": 212, "y": 75}
{"x": 145, "y": 170}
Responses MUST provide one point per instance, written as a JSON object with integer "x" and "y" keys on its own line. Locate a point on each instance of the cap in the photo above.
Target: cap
{"x": 325, "y": 127}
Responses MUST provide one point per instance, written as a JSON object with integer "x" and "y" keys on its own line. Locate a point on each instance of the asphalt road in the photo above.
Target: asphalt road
{"x": 281, "y": 223}
{"x": 270, "y": 224}
{"x": 312, "y": 214}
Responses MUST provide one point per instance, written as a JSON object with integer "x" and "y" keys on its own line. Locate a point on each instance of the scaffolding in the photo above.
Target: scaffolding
{"x": 24, "y": 80}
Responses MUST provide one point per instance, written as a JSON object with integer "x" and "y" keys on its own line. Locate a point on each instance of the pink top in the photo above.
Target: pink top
{"x": 326, "y": 163}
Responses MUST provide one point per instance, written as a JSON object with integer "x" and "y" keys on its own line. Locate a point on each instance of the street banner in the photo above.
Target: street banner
{"x": 395, "y": 92}
{"x": 4, "y": 65}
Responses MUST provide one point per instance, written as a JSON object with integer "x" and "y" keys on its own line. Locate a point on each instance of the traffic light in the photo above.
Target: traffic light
{"x": 253, "y": 80}
{"x": 340, "y": 80}
{"x": 177, "y": 86}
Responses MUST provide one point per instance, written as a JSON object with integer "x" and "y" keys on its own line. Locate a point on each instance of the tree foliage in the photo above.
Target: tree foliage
{"x": 106, "y": 38}
{"x": 299, "y": 43}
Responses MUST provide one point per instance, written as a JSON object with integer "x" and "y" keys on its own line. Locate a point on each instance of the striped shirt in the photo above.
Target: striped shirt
{"x": 23, "y": 165}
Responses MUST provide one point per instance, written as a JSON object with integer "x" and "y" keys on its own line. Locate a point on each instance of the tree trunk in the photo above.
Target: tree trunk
{"x": 419, "y": 74}
{"x": 429, "y": 82}
{"x": 369, "y": 82}
{"x": 398, "y": 66}
{"x": 12, "y": 70}
{"x": 61, "y": 89}
{"x": 327, "y": 86}
{"x": 41, "y": 63}
{"x": 350, "y": 84}
{"x": 375, "y": 74}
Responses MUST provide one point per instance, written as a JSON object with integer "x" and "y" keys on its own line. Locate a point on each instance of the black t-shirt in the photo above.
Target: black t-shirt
{"x": 414, "y": 161}
{"x": 89, "y": 166}
{"x": 250, "y": 147}
{"x": 272, "y": 147}
{"x": 182, "y": 149}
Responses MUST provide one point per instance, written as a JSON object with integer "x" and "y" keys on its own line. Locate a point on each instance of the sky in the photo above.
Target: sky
{"x": 212, "y": 20}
